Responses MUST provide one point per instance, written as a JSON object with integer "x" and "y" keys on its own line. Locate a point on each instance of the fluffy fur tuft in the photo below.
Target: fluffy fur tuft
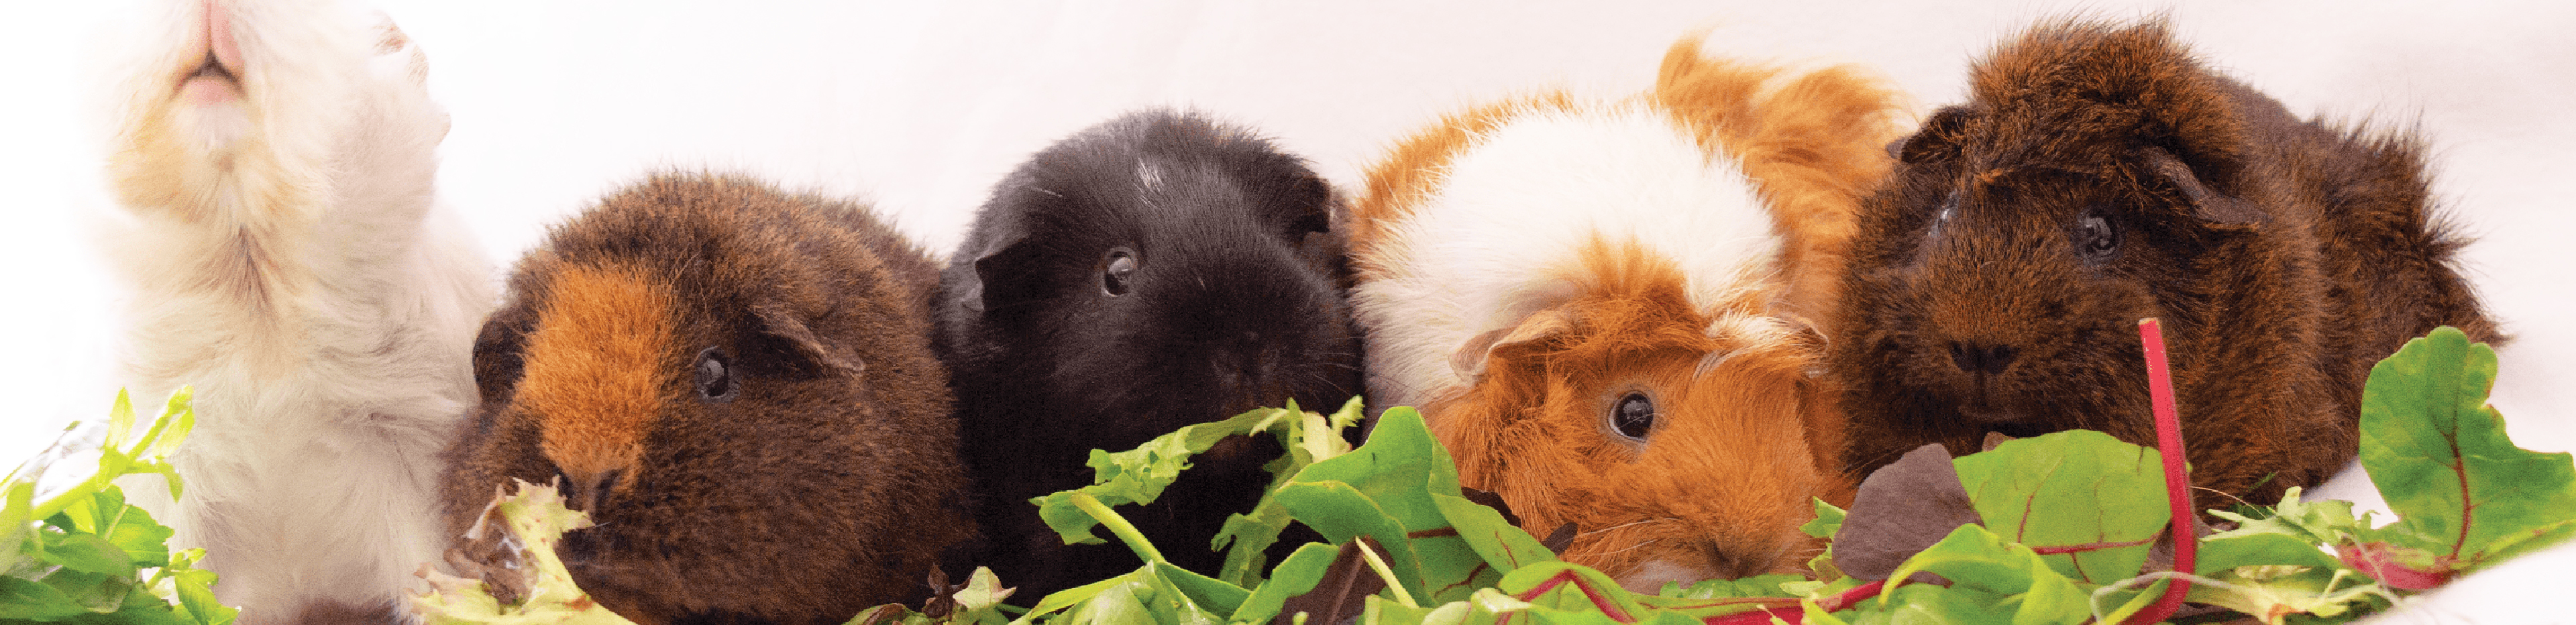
{"x": 1529, "y": 270}
{"x": 2100, "y": 174}
{"x": 737, "y": 384}
{"x": 276, "y": 160}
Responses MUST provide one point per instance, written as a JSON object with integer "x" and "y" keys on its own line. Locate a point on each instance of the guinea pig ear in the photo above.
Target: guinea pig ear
{"x": 1937, "y": 140}
{"x": 2208, "y": 204}
{"x": 998, "y": 277}
{"x": 786, "y": 348}
{"x": 497, "y": 358}
{"x": 1470, "y": 359}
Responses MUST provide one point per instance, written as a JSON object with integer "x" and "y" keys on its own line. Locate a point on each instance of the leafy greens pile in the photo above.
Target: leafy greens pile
{"x": 84, "y": 555}
{"x": 2060, "y": 528}
{"x": 2063, "y": 528}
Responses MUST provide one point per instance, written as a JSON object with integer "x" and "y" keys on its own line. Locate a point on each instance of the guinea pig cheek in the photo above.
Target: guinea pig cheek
{"x": 600, "y": 368}
{"x": 1723, "y": 484}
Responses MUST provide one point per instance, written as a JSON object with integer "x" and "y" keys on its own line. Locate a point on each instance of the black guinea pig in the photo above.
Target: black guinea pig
{"x": 2099, "y": 174}
{"x": 1154, "y": 271}
{"x": 737, "y": 385}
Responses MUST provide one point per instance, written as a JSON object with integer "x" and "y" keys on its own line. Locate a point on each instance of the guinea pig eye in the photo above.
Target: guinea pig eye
{"x": 2096, "y": 236}
{"x": 1633, "y": 416}
{"x": 715, "y": 378}
{"x": 1117, "y": 271}
{"x": 1941, "y": 216}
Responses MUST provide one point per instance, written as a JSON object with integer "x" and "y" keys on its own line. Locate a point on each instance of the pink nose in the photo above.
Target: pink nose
{"x": 219, "y": 37}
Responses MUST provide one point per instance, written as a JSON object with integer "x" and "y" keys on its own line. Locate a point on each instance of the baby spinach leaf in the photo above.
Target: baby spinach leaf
{"x": 1503, "y": 545}
{"x": 1304, "y": 572}
{"x": 1385, "y": 490}
{"x": 2091, "y": 503}
{"x": 2440, "y": 456}
{"x": 1975, "y": 559}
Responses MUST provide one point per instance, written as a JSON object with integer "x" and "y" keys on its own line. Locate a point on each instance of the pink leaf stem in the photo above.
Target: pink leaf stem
{"x": 2177, "y": 484}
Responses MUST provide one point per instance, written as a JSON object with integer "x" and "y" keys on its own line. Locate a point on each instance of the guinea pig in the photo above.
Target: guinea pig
{"x": 1151, "y": 272}
{"x": 285, "y": 253}
{"x": 1600, "y": 307}
{"x": 736, "y": 384}
{"x": 2100, "y": 174}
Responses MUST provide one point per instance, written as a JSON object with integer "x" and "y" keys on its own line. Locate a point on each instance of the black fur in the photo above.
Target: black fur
{"x": 1235, "y": 303}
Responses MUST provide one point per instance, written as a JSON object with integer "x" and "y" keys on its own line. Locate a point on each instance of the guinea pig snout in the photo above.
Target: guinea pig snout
{"x": 1981, "y": 359}
{"x": 1714, "y": 559}
{"x": 588, "y": 492}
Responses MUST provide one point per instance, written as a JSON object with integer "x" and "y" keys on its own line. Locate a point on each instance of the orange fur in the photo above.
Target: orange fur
{"x": 1799, "y": 139}
{"x": 1529, "y": 428}
{"x": 599, "y": 370}
{"x": 1746, "y": 436}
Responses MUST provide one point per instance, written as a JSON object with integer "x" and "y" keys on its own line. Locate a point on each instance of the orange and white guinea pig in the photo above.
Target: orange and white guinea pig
{"x": 1600, "y": 306}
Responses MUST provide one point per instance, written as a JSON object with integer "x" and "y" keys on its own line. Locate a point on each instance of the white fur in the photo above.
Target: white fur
{"x": 323, "y": 403}
{"x": 1499, "y": 238}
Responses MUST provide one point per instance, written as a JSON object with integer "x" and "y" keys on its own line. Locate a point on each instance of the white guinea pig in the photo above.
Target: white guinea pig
{"x": 275, "y": 160}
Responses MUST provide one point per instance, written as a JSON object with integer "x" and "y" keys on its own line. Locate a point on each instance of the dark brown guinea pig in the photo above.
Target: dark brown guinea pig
{"x": 737, "y": 385}
{"x": 2097, "y": 175}
{"x": 1151, "y": 272}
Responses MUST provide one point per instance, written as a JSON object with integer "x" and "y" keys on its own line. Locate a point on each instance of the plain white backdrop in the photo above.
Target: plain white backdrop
{"x": 921, "y": 106}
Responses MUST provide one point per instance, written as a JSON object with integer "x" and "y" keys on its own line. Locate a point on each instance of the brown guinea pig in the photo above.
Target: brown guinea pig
{"x": 1597, "y": 306}
{"x": 2098, "y": 175}
{"x": 737, "y": 385}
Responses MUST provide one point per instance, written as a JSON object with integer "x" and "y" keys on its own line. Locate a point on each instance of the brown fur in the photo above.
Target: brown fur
{"x": 1748, "y": 436}
{"x": 825, "y": 482}
{"x": 2284, "y": 256}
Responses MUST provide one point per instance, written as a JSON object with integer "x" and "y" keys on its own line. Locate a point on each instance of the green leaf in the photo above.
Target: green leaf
{"x": 1385, "y": 489}
{"x": 1205, "y": 594}
{"x": 29, "y": 600}
{"x": 1296, "y": 575}
{"x": 1341, "y": 512}
{"x": 146, "y": 542}
{"x": 1138, "y": 476}
{"x": 1311, "y": 438}
{"x": 2079, "y": 490}
{"x": 1079, "y": 595}
{"x": 1974, "y": 558}
{"x": 1121, "y": 603}
{"x": 120, "y": 420}
{"x": 1829, "y": 519}
{"x": 178, "y": 418}
{"x": 197, "y": 595}
{"x": 979, "y": 603}
{"x": 2440, "y": 456}
{"x": 88, "y": 553}
{"x": 17, "y": 521}
{"x": 1572, "y": 587}
{"x": 1500, "y": 543}
{"x": 1383, "y": 612}
{"x": 1395, "y": 463}
{"x": 1749, "y": 587}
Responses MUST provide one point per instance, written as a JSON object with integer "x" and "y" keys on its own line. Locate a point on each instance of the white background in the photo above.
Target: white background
{"x": 922, "y": 105}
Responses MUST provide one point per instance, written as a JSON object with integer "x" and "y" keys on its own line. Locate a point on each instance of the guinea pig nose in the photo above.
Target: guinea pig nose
{"x": 1986, "y": 359}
